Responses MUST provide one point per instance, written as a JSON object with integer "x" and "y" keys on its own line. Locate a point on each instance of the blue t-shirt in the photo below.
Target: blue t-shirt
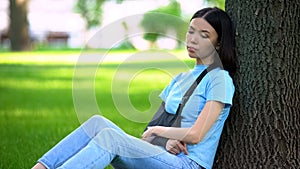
{"x": 216, "y": 85}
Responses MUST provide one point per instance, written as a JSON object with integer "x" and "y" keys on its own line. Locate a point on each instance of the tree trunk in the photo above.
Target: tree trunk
{"x": 18, "y": 28}
{"x": 263, "y": 128}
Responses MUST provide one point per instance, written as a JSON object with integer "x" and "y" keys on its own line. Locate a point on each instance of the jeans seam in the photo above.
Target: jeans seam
{"x": 97, "y": 159}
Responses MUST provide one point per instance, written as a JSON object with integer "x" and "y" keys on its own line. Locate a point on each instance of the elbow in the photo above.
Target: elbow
{"x": 194, "y": 137}
{"x": 195, "y": 141}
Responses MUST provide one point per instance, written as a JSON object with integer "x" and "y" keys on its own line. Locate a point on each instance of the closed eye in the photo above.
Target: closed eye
{"x": 204, "y": 35}
{"x": 191, "y": 30}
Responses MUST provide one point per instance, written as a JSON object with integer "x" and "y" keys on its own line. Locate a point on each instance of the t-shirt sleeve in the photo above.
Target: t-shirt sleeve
{"x": 220, "y": 88}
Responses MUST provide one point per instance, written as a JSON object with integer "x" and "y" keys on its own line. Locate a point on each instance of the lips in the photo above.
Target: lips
{"x": 191, "y": 49}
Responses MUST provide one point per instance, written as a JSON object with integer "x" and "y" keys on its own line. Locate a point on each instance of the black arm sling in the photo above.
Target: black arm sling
{"x": 163, "y": 118}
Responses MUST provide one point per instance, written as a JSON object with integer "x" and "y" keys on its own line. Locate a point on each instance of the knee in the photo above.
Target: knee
{"x": 107, "y": 138}
{"x": 100, "y": 122}
{"x": 108, "y": 133}
{"x": 93, "y": 125}
{"x": 95, "y": 119}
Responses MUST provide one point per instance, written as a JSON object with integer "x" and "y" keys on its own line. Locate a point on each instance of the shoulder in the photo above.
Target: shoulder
{"x": 220, "y": 87}
{"x": 219, "y": 81}
{"x": 219, "y": 76}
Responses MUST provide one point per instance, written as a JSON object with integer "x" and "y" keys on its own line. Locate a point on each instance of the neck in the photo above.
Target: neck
{"x": 205, "y": 61}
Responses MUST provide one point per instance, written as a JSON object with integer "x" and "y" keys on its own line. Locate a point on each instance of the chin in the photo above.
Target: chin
{"x": 193, "y": 56}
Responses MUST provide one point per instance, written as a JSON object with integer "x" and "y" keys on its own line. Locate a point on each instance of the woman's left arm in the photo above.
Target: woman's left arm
{"x": 196, "y": 133}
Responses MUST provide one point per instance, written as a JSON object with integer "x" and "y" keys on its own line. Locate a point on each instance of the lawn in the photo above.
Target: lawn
{"x": 36, "y": 97}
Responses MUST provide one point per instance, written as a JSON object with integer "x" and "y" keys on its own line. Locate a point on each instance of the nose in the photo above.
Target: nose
{"x": 193, "y": 39}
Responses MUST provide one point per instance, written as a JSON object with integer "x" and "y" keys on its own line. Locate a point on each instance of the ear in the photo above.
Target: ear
{"x": 218, "y": 47}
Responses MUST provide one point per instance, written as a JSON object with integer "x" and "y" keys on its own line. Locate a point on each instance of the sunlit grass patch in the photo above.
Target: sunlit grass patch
{"x": 36, "y": 99}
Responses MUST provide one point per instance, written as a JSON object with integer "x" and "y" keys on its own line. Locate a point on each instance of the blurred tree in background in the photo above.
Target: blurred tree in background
{"x": 91, "y": 11}
{"x": 157, "y": 25}
{"x": 217, "y": 3}
{"x": 18, "y": 27}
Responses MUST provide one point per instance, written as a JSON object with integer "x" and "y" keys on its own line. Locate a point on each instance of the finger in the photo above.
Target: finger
{"x": 146, "y": 134}
{"x": 185, "y": 151}
{"x": 180, "y": 146}
{"x": 172, "y": 147}
{"x": 171, "y": 151}
{"x": 175, "y": 151}
{"x": 176, "y": 148}
{"x": 183, "y": 148}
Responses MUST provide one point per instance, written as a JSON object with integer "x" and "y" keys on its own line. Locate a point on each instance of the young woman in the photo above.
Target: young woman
{"x": 98, "y": 142}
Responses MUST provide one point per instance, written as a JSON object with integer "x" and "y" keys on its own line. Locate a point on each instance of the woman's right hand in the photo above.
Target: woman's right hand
{"x": 176, "y": 147}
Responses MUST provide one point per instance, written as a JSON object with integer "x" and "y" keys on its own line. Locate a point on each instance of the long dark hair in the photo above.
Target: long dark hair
{"x": 222, "y": 24}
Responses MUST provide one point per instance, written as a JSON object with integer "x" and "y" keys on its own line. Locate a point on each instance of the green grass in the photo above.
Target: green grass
{"x": 36, "y": 100}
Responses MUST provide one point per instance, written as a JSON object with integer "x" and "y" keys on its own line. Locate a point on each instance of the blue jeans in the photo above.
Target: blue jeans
{"x": 99, "y": 142}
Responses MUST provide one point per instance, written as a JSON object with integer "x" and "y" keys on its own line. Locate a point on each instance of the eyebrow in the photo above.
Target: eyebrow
{"x": 203, "y": 30}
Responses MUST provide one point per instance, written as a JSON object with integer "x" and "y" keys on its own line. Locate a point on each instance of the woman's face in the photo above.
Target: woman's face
{"x": 201, "y": 39}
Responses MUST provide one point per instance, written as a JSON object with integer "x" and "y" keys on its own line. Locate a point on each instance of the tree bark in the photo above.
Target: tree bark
{"x": 18, "y": 28}
{"x": 263, "y": 128}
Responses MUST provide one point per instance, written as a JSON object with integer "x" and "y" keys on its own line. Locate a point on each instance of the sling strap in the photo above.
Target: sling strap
{"x": 189, "y": 92}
